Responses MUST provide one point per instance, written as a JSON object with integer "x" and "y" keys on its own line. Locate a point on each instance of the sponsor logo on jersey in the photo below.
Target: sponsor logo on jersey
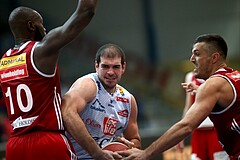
{"x": 99, "y": 85}
{"x": 110, "y": 105}
{"x": 235, "y": 75}
{"x": 20, "y": 122}
{"x": 121, "y": 90}
{"x": 96, "y": 105}
{"x": 109, "y": 126}
{"x": 13, "y": 67}
{"x": 92, "y": 123}
{"x": 123, "y": 113}
{"x": 121, "y": 99}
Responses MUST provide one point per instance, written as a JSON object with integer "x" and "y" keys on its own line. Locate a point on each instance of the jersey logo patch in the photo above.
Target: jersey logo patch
{"x": 235, "y": 75}
{"x": 125, "y": 100}
{"x": 14, "y": 67}
{"x": 20, "y": 122}
{"x": 109, "y": 126}
{"x": 123, "y": 113}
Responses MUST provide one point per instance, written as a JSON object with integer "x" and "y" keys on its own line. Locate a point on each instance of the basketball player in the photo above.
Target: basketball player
{"x": 218, "y": 97}
{"x": 31, "y": 86}
{"x": 204, "y": 141}
{"x": 96, "y": 110}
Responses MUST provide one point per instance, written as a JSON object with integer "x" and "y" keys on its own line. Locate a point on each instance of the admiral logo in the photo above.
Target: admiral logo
{"x": 121, "y": 99}
{"x": 123, "y": 113}
{"x": 13, "y": 67}
{"x": 13, "y": 61}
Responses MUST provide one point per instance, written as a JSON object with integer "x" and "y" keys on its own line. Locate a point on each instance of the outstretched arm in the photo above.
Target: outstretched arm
{"x": 47, "y": 51}
{"x": 207, "y": 96}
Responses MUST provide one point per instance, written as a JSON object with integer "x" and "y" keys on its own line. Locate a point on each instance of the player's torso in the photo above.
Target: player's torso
{"x": 107, "y": 116}
{"x": 32, "y": 98}
{"x": 227, "y": 120}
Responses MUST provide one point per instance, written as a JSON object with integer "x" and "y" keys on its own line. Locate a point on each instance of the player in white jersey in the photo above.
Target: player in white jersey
{"x": 96, "y": 110}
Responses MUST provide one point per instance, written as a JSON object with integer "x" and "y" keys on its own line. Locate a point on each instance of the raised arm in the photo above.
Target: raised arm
{"x": 47, "y": 51}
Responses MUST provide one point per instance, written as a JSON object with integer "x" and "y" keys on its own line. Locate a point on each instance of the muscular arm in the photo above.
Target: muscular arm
{"x": 47, "y": 51}
{"x": 208, "y": 94}
{"x": 131, "y": 133}
{"x": 75, "y": 100}
{"x": 213, "y": 91}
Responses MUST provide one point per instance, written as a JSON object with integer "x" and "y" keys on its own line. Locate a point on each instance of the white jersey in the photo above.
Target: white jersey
{"x": 105, "y": 117}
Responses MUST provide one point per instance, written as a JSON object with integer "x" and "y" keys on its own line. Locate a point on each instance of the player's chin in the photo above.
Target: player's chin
{"x": 111, "y": 84}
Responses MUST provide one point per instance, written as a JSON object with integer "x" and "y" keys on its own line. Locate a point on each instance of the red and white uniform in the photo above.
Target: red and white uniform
{"x": 33, "y": 104}
{"x": 227, "y": 120}
{"x": 204, "y": 141}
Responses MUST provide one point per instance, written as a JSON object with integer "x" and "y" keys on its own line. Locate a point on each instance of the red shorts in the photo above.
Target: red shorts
{"x": 205, "y": 145}
{"x": 40, "y": 146}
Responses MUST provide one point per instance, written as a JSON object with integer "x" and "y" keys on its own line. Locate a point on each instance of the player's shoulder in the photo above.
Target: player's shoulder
{"x": 215, "y": 83}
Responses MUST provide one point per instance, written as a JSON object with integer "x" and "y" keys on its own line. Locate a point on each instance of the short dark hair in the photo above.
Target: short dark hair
{"x": 215, "y": 42}
{"x": 114, "y": 50}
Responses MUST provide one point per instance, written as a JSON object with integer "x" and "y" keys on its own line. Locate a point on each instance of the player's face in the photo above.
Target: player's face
{"x": 201, "y": 60}
{"x": 110, "y": 71}
{"x": 40, "y": 31}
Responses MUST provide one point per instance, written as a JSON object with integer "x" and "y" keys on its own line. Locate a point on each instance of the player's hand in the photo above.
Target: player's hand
{"x": 108, "y": 155}
{"x": 125, "y": 141}
{"x": 190, "y": 87}
{"x": 133, "y": 154}
{"x": 180, "y": 146}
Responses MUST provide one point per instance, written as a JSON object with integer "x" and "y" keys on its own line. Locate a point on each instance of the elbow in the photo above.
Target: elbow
{"x": 65, "y": 110}
{"x": 90, "y": 7}
{"x": 187, "y": 128}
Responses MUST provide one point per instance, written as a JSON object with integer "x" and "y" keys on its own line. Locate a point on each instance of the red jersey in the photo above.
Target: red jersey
{"x": 227, "y": 120}
{"x": 32, "y": 97}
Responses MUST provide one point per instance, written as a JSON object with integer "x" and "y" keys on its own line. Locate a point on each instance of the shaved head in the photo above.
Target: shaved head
{"x": 19, "y": 19}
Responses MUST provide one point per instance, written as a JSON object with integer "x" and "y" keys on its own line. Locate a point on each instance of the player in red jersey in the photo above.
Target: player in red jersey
{"x": 218, "y": 97}
{"x": 31, "y": 84}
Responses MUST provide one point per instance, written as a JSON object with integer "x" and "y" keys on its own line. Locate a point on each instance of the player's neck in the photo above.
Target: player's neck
{"x": 19, "y": 42}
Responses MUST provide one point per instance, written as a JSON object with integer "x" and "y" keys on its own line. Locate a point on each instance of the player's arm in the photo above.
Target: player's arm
{"x": 74, "y": 101}
{"x": 188, "y": 103}
{"x": 188, "y": 99}
{"x": 206, "y": 98}
{"x": 131, "y": 133}
{"x": 46, "y": 52}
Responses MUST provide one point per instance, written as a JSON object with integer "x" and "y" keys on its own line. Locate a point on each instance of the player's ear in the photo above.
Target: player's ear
{"x": 96, "y": 66}
{"x": 30, "y": 25}
{"x": 124, "y": 66}
{"x": 215, "y": 56}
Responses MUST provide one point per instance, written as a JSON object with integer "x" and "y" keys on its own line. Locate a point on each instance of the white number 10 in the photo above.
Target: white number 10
{"x": 28, "y": 93}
